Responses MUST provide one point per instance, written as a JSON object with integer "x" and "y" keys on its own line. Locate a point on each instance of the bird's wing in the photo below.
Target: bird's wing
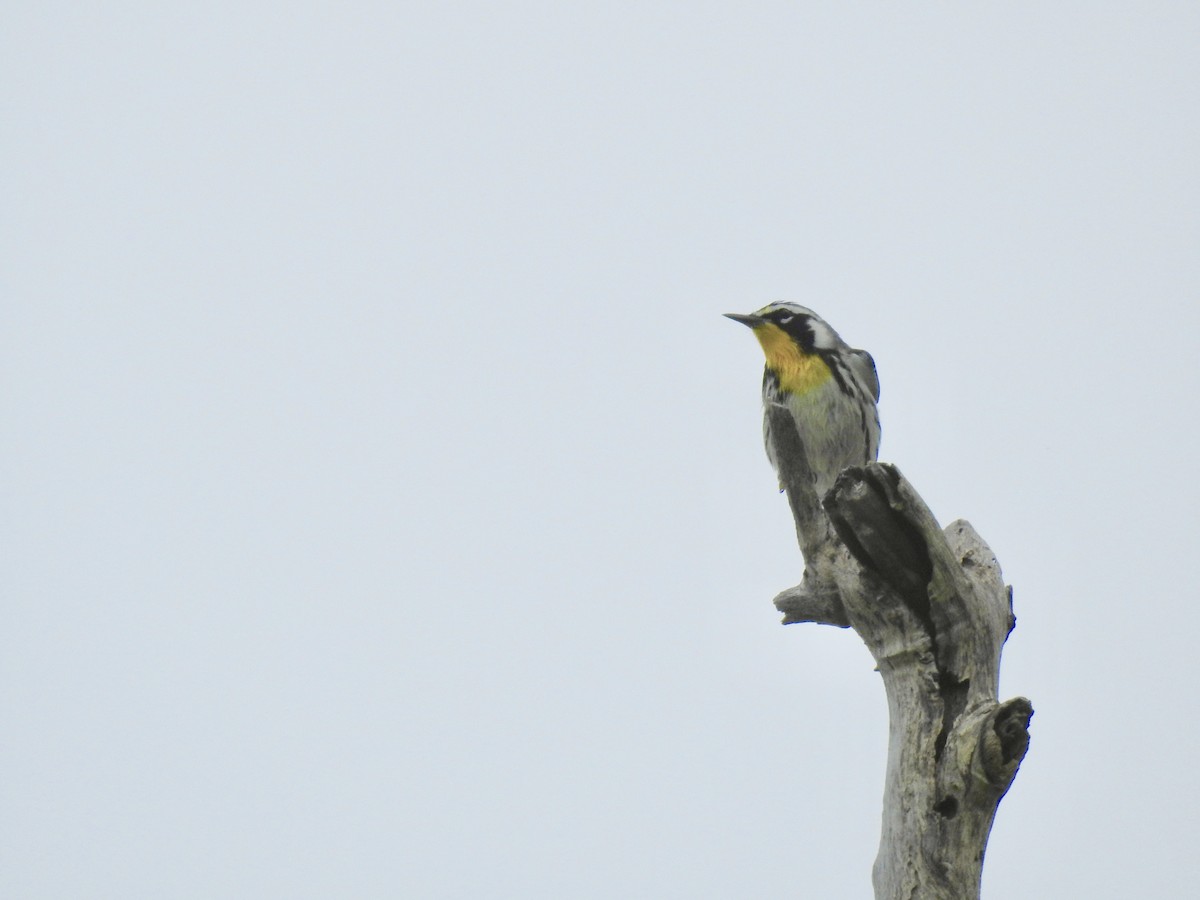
{"x": 863, "y": 367}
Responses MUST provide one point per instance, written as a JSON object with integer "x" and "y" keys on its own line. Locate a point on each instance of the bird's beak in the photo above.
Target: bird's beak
{"x": 752, "y": 321}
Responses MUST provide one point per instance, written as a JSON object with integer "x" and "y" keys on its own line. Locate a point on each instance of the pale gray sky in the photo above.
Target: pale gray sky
{"x": 386, "y": 511}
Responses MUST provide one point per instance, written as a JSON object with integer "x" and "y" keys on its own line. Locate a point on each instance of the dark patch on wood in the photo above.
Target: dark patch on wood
{"x": 869, "y": 517}
{"x": 954, "y": 693}
{"x": 1012, "y": 728}
{"x": 947, "y": 807}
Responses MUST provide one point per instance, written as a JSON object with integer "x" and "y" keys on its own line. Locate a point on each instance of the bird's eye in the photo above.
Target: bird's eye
{"x": 785, "y": 319}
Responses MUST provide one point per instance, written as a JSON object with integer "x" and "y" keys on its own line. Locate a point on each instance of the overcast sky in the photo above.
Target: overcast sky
{"x": 385, "y": 510}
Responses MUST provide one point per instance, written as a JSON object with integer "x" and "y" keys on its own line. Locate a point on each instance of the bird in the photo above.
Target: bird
{"x": 829, "y": 388}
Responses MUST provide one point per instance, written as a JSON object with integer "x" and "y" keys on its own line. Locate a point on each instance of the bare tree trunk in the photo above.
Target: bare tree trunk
{"x": 934, "y": 611}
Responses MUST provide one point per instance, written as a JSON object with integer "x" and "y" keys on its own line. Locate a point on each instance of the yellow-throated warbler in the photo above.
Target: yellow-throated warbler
{"x": 829, "y": 388}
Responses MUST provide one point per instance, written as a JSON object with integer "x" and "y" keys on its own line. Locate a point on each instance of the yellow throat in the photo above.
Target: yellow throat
{"x": 798, "y": 372}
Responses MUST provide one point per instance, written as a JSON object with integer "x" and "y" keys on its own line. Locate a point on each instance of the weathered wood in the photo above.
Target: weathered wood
{"x": 934, "y": 611}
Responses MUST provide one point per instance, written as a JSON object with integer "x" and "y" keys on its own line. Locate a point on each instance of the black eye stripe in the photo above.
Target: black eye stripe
{"x": 796, "y": 325}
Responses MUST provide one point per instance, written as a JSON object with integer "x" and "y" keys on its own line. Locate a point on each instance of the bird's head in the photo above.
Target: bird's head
{"x": 787, "y": 331}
